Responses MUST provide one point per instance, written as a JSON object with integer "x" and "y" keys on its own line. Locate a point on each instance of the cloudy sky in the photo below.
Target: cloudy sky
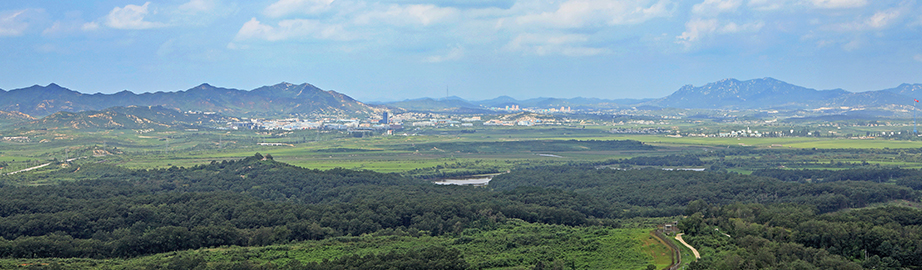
{"x": 475, "y": 49}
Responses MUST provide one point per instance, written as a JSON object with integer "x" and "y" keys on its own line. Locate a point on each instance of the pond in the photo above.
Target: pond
{"x": 473, "y": 180}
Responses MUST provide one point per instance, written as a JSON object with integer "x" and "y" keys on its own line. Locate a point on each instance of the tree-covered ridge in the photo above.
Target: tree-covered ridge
{"x": 131, "y": 117}
{"x": 903, "y": 177}
{"x": 513, "y": 245}
{"x": 654, "y": 192}
{"x": 788, "y": 236}
{"x": 254, "y": 201}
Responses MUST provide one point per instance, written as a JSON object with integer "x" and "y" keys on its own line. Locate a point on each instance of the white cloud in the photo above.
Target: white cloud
{"x": 408, "y": 15}
{"x": 290, "y": 29}
{"x": 883, "y": 18}
{"x": 69, "y": 27}
{"x": 853, "y": 45}
{"x": 879, "y": 20}
{"x": 13, "y": 24}
{"x": 131, "y": 17}
{"x": 90, "y": 26}
{"x": 550, "y": 44}
{"x": 286, "y": 7}
{"x": 695, "y": 29}
{"x": 455, "y": 53}
{"x": 715, "y": 7}
{"x": 918, "y": 57}
{"x": 735, "y": 28}
{"x": 582, "y": 13}
{"x": 54, "y": 29}
{"x": 767, "y": 5}
{"x": 839, "y": 3}
{"x": 197, "y": 6}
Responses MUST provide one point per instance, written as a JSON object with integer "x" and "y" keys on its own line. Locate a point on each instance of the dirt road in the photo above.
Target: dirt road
{"x": 29, "y": 169}
{"x": 679, "y": 237}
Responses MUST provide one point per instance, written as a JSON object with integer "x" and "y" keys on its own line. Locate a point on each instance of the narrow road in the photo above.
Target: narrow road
{"x": 39, "y": 166}
{"x": 679, "y": 237}
{"x": 29, "y": 169}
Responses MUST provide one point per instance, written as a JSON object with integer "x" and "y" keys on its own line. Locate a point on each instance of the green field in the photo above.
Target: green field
{"x": 417, "y": 152}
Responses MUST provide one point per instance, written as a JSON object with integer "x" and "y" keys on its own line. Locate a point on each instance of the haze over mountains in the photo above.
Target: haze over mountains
{"x": 283, "y": 98}
{"x": 306, "y": 99}
{"x": 732, "y": 94}
{"x": 769, "y": 93}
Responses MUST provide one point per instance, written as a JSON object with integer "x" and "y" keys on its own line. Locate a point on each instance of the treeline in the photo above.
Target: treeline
{"x": 669, "y": 160}
{"x": 790, "y": 236}
{"x": 533, "y": 146}
{"x": 654, "y": 192}
{"x": 903, "y": 177}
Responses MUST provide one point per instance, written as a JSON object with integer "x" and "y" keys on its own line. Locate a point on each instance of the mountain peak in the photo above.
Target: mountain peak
{"x": 204, "y": 86}
{"x": 754, "y": 93}
{"x": 284, "y": 84}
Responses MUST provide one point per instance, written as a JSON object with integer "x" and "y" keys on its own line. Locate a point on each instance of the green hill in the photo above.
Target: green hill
{"x": 132, "y": 117}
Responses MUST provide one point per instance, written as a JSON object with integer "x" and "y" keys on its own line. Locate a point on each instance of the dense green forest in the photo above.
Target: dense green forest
{"x": 775, "y": 219}
{"x": 789, "y": 236}
{"x": 254, "y": 201}
{"x": 655, "y": 192}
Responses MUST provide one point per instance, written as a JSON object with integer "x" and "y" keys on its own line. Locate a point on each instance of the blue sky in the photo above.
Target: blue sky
{"x": 475, "y": 49}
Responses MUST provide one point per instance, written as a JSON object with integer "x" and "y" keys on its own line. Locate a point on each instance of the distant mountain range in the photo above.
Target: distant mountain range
{"x": 459, "y": 105}
{"x": 769, "y": 93}
{"x": 732, "y": 94}
{"x": 283, "y": 98}
{"x": 306, "y": 99}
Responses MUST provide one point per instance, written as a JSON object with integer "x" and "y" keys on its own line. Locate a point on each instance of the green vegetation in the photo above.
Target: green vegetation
{"x": 514, "y": 244}
{"x": 572, "y": 196}
{"x": 793, "y": 236}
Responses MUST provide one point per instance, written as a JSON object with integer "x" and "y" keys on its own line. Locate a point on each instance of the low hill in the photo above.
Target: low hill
{"x": 283, "y": 98}
{"x": 14, "y": 117}
{"x": 131, "y": 117}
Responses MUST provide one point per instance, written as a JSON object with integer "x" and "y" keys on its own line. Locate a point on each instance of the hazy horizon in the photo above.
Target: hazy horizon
{"x": 424, "y": 97}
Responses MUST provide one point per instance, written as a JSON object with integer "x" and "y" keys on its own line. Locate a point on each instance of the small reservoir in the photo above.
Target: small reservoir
{"x": 473, "y": 180}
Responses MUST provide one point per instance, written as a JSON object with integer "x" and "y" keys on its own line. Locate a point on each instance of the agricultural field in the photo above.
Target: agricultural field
{"x": 419, "y": 152}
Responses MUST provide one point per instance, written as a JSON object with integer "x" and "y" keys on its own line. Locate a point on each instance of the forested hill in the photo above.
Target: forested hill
{"x": 14, "y": 118}
{"x": 131, "y": 117}
{"x": 114, "y": 212}
{"x": 654, "y": 192}
{"x": 105, "y": 211}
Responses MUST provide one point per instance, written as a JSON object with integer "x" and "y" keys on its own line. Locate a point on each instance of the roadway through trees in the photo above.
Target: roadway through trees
{"x": 695, "y": 251}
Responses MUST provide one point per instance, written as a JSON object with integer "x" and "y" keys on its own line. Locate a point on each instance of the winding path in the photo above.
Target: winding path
{"x": 695, "y": 251}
